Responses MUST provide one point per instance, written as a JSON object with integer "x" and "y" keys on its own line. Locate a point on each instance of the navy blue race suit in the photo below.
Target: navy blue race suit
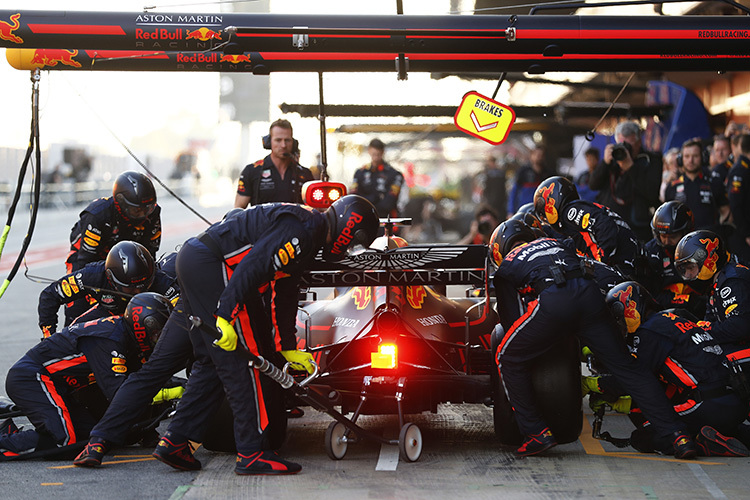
{"x": 702, "y": 197}
{"x": 667, "y": 286}
{"x": 728, "y": 308}
{"x": 232, "y": 264}
{"x": 738, "y": 192}
{"x": 170, "y": 355}
{"x": 524, "y": 186}
{"x": 601, "y": 234}
{"x": 689, "y": 362}
{"x": 101, "y": 226}
{"x": 532, "y": 310}
{"x": 75, "y": 289}
{"x": 381, "y": 185}
{"x": 42, "y": 383}
{"x": 262, "y": 182}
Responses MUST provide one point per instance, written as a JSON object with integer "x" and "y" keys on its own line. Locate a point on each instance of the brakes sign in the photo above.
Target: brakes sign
{"x": 484, "y": 118}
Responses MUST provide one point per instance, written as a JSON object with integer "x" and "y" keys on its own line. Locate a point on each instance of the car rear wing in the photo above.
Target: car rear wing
{"x": 411, "y": 265}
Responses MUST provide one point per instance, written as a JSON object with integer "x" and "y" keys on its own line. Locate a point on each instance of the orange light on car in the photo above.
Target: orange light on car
{"x": 386, "y": 357}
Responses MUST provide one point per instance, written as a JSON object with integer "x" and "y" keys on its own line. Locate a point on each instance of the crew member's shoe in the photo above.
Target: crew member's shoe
{"x": 683, "y": 445}
{"x": 176, "y": 452}
{"x": 264, "y": 462}
{"x": 711, "y": 443}
{"x": 8, "y": 427}
{"x": 536, "y": 443}
{"x": 93, "y": 453}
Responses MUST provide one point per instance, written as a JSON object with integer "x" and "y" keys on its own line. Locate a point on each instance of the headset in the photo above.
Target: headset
{"x": 266, "y": 140}
{"x": 705, "y": 155}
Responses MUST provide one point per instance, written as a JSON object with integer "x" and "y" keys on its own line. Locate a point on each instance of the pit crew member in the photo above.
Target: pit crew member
{"x": 378, "y": 181}
{"x": 231, "y": 264}
{"x": 696, "y": 380}
{"x": 43, "y": 381}
{"x": 131, "y": 213}
{"x": 540, "y": 284}
{"x": 129, "y": 270}
{"x": 276, "y": 178}
{"x": 671, "y": 221}
{"x": 597, "y": 231}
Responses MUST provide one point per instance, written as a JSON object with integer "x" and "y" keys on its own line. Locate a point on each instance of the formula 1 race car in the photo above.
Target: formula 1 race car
{"x": 393, "y": 342}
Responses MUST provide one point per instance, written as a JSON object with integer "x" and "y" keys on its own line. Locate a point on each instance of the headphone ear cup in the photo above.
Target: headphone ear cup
{"x": 617, "y": 308}
{"x": 266, "y": 140}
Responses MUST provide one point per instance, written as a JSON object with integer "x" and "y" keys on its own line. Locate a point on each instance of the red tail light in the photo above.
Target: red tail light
{"x": 320, "y": 194}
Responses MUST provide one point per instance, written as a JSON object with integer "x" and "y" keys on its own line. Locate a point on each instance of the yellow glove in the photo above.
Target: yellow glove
{"x": 300, "y": 358}
{"x": 228, "y": 340}
{"x": 621, "y": 405}
{"x": 168, "y": 394}
{"x": 590, "y": 384}
{"x": 586, "y": 352}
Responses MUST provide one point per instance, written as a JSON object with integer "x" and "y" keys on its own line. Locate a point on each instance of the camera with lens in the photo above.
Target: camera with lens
{"x": 485, "y": 228}
{"x": 621, "y": 151}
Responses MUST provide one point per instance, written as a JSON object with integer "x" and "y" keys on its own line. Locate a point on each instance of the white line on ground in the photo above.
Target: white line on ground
{"x": 388, "y": 458}
{"x": 706, "y": 481}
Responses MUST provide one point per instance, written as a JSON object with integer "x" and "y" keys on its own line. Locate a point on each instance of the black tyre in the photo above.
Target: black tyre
{"x": 504, "y": 419}
{"x": 557, "y": 386}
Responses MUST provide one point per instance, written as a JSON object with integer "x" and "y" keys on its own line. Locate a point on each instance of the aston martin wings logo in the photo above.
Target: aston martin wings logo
{"x": 403, "y": 258}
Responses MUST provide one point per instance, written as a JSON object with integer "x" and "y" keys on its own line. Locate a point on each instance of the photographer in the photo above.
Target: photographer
{"x": 628, "y": 179}
{"x": 485, "y": 221}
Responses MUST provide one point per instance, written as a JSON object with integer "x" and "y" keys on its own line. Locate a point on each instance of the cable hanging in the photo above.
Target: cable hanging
{"x": 36, "y": 187}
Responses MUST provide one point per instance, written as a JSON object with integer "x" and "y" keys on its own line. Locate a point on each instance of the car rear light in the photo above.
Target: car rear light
{"x": 320, "y": 194}
{"x": 386, "y": 357}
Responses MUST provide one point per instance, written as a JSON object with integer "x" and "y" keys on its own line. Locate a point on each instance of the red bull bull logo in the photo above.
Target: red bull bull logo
{"x": 630, "y": 311}
{"x": 713, "y": 257}
{"x": 496, "y": 255}
{"x": 7, "y": 29}
{"x": 361, "y": 296}
{"x": 203, "y": 34}
{"x": 415, "y": 295}
{"x": 51, "y": 57}
{"x": 234, "y": 58}
{"x": 549, "y": 204}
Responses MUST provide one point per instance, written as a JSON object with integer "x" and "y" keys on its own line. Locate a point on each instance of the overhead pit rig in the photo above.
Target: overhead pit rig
{"x": 265, "y": 43}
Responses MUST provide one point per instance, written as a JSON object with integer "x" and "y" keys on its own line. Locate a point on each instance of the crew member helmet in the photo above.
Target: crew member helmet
{"x": 552, "y": 196}
{"x": 353, "y": 224}
{"x": 700, "y": 255}
{"x": 146, "y": 314}
{"x": 134, "y": 195}
{"x": 671, "y": 221}
{"x": 130, "y": 267}
{"x": 528, "y": 218}
{"x": 506, "y": 236}
{"x": 630, "y": 304}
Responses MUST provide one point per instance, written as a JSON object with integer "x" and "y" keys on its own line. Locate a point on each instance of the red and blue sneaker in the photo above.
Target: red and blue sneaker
{"x": 264, "y": 463}
{"x": 176, "y": 452}
{"x": 93, "y": 453}
{"x": 536, "y": 443}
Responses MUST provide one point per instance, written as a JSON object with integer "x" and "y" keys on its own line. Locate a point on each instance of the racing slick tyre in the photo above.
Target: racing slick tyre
{"x": 504, "y": 419}
{"x": 506, "y": 429}
{"x": 410, "y": 443}
{"x": 336, "y": 443}
{"x": 556, "y": 376}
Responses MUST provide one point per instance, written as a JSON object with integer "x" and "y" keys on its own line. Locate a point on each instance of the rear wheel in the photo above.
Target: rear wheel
{"x": 557, "y": 386}
{"x": 556, "y": 377}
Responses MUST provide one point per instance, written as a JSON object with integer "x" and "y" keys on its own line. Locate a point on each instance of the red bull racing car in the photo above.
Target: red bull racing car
{"x": 393, "y": 342}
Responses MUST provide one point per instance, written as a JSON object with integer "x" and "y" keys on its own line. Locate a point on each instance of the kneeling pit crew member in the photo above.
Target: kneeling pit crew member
{"x": 43, "y": 381}
{"x": 695, "y": 378}
{"x": 545, "y": 276}
{"x": 129, "y": 270}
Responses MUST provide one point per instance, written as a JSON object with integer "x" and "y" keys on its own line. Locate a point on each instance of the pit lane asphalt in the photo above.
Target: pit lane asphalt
{"x": 461, "y": 458}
